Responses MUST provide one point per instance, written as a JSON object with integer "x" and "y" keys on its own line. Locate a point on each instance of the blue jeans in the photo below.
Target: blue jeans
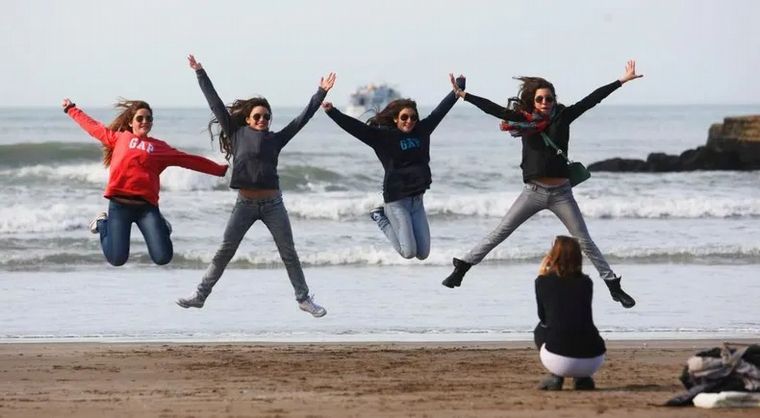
{"x": 116, "y": 230}
{"x": 533, "y": 199}
{"x": 272, "y": 212}
{"x": 406, "y": 226}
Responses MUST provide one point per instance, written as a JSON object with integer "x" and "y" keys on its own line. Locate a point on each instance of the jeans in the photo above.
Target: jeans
{"x": 533, "y": 199}
{"x": 116, "y": 230}
{"x": 406, "y": 226}
{"x": 272, "y": 212}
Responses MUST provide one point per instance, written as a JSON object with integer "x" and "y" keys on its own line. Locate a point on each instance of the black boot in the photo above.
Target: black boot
{"x": 617, "y": 293}
{"x": 455, "y": 278}
{"x": 584, "y": 383}
{"x": 552, "y": 382}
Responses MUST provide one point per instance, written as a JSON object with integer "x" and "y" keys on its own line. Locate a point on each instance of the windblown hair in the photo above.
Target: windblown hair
{"x": 528, "y": 91}
{"x": 564, "y": 258}
{"x": 239, "y": 110}
{"x": 121, "y": 123}
{"x": 386, "y": 116}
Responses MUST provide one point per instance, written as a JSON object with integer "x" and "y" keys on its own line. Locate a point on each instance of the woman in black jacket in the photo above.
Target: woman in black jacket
{"x": 569, "y": 343}
{"x": 401, "y": 141}
{"x": 545, "y": 173}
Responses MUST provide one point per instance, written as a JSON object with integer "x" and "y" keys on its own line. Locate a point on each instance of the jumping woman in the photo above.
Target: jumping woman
{"x": 545, "y": 173}
{"x": 245, "y": 137}
{"x": 401, "y": 142}
{"x": 135, "y": 161}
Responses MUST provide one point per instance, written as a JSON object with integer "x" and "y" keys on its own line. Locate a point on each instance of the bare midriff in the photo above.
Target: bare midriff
{"x": 258, "y": 193}
{"x": 551, "y": 181}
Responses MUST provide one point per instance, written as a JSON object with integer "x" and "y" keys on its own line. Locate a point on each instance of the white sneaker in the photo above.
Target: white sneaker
{"x": 311, "y": 307}
{"x": 195, "y": 301}
{"x": 102, "y": 216}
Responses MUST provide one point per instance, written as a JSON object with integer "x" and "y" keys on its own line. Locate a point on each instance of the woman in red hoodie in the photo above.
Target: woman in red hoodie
{"x": 135, "y": 162}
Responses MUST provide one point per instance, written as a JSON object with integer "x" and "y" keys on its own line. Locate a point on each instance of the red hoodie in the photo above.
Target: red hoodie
{"x": 137, "y": 162}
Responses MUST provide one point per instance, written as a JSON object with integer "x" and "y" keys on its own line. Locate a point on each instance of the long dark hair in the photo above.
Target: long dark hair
{"x": 564, "y": 259}
{"x": 386, "y": 116}
{"x": 121, "y": 123}
{"x": 527, "y": 92}
{"x": 239, "y": 110}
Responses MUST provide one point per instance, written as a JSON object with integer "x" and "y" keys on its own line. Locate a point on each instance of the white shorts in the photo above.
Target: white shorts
{"x": 570, "y": 366}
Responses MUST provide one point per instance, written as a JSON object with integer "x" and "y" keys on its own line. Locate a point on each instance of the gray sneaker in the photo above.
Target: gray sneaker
{"x": 102, "y": 216}
{"x": 195, "y": 301}
{"x": 311, "y": 307}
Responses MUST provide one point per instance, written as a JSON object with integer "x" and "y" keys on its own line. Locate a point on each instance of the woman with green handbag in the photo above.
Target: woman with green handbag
{"x": 544, "y": 128}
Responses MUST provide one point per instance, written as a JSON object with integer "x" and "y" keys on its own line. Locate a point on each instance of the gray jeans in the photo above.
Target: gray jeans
{"x": 272, "y": 212}
{"x": 406, "y": 226}
{"x": 533, "y": 199}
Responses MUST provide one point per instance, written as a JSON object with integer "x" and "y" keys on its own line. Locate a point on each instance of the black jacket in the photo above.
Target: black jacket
{"x": 564, "y": 309}
{"x": 539, "y": 160}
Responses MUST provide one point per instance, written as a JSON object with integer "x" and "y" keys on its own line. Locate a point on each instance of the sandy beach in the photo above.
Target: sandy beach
{"x": 333, "y": 380}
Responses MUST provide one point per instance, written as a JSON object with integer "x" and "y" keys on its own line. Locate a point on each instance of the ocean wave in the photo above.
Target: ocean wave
{"x": 44, "y": 153}
{"x": 337, "y": 206}
{"x": 70, "y": 256}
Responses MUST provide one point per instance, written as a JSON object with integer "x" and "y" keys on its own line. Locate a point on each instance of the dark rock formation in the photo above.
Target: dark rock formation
{"x": 731, "y": 145}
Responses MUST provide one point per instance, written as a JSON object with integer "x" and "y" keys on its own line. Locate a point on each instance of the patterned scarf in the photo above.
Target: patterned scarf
{"x": 533, "y": 123}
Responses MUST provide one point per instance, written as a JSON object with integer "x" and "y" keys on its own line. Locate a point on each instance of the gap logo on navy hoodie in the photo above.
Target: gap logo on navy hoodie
{"x": 405, "y": 156}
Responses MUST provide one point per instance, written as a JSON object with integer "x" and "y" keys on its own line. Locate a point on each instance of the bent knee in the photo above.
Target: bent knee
{"x": 165, "y": 259}
{"x": 118, "y": 261}
{"x": 408, "y": 253}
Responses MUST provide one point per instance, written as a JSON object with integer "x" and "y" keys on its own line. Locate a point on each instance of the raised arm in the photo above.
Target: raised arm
{"x": 490, "y": 107}
{"x": 573, "y": 112}
{"x": 358, "y": 129}
{"x": 436, "y": 116}
{"x": 96, "y": 129}
{"x": 214, "y": 102}
{"x": 289, "y": 131}
{"x": 175, "y": 157}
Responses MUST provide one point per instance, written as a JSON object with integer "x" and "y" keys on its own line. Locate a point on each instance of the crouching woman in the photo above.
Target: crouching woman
{"x": 569, "y": 343}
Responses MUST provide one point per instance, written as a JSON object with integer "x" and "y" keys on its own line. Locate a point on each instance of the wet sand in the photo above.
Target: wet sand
{"x": 334, "y": 380}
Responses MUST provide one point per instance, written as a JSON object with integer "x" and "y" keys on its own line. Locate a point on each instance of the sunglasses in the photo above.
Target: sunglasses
{"x": 547, "y": 99}
{"x": 257, "y": 116}
{"x": 146, "y": 118}
{"x": 406, "y": 116}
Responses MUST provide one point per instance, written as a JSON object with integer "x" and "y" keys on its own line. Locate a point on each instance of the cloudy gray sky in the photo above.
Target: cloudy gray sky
{"x": 691, "y": 52}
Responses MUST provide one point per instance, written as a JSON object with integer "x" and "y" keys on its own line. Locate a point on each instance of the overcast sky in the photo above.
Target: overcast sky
{"x": 93, "y": 51}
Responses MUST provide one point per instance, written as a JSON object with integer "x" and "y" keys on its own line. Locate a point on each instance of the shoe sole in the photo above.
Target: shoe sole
{"x": 187, "y": 306}
{"x": 622, "y": 303}
{"x": 315, "y": 315}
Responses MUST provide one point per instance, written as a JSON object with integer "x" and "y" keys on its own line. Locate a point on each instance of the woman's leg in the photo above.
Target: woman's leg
{"x": 115, "y": 233}
{"x": 156, "y": 232}
{"x": 563, "y": 204}
{"x": 421, "y": 227}
{"x": 399, "y": 215}
{"x": 243, "y": 215}
{"x": 275, "y": 217}
{"x": 532, "y": 200}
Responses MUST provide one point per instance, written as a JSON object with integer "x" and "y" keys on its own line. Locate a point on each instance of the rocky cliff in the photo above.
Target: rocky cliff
{"x": 731, "y": 145}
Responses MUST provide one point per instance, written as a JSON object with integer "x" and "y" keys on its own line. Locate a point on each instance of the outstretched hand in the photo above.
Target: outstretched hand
{"x": 326, "y": 83}
{"x": 630, "y": 72}
{"x": 66, "y": 103}
{"x": 455, "y": 85}
{"x": 195, "y": 65}
{"x": 327, "y": 106}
